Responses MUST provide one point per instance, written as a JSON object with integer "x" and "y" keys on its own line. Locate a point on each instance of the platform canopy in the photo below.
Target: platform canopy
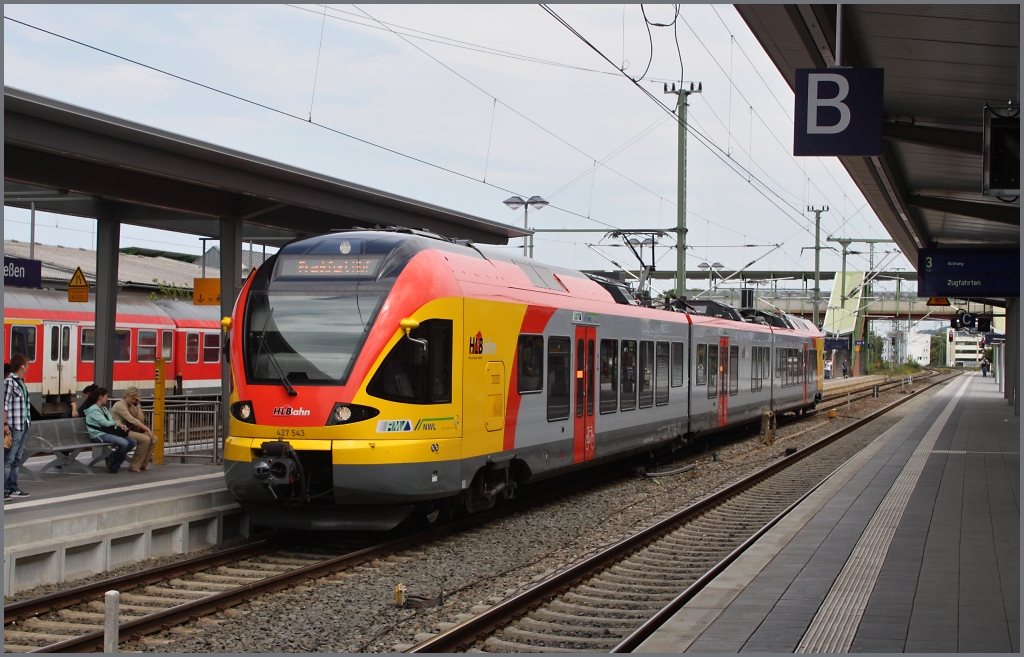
{"x": 71, "y": 160}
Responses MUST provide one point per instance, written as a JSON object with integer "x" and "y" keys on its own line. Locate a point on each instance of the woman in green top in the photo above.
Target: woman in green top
{"x": 101, "y": 424}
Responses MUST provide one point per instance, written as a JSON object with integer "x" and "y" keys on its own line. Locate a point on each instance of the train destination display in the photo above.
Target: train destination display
{"x": 360, "y": 266}
{"x": 968, "y": 273}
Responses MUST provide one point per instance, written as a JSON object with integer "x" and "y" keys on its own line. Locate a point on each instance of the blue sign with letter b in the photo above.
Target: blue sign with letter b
{"x": 838, "y": 111}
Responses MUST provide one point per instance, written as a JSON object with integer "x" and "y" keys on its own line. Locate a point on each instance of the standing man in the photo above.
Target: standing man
{"x": 17, "y": 417}
{"x": 846, "y": 368}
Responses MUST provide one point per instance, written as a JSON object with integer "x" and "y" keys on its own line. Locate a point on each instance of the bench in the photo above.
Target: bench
{"x": 65, "y": 439}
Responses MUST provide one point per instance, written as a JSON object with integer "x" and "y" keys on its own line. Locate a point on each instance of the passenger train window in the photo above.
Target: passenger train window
{"x": 755, "y": 368}
{"x": 65, "y": 351}
{"x": 661, "y": 374}
{"x": 146, "y": 351}
{"x": 627, "y": 399}
{"x": 530, "y": 356}
{"x": 23, "y": 341}
{"x": 559, "y": 367}
{"x": 211, "y": 347}
{"x": 678, "y": 364}
{"x": 712, "y": 371}
{"x": 88, "y": 345}
{"x": 415, "y": 375}
{"x": 646, "y": 374}
{"x": 609, "y": 375}
{"x": 54, "y": 342}
{"x": 766, "y": 363}
{"x": 167, "y": 349}
{"x": 812, "y": 365}
{"x": 734, "y": 369}
{"x": 702, "y": 365}
{"x": 191, "y": 347}
{"x": 122, "y": 345}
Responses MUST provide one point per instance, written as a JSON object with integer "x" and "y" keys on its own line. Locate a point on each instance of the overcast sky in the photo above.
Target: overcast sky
{"x": 481, "y": 101}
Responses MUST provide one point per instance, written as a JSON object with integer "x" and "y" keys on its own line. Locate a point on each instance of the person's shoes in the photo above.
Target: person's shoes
{"x": 18, "y": 493}
{"x": 134, "y": 470}
{"x": 111, "y": 469}
{"x": 7, "y": 497}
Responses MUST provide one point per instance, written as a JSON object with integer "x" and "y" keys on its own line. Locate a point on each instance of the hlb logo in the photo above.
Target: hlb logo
{"x": 288, "y": 411}
{"x": 478, "y": 345}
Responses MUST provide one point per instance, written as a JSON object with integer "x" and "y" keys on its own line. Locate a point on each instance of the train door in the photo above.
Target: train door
{"x": 583, "y": 436}
{"x": 494, "y": 376}
{"x": 723, "y": 381}
{"x": 59, "y": 359}
{"x": 806, "y": 367}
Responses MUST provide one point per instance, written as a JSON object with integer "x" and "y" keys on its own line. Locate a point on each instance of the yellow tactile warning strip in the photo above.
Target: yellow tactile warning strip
{"x": 835, "y": 624}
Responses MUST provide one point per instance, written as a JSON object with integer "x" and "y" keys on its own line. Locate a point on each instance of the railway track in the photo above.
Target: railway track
{"x": 615, "y": 599}
{"x": 158, "y": 599}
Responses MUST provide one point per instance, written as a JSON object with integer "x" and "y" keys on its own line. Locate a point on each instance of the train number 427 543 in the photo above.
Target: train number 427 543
{"x": 291, "y": 433}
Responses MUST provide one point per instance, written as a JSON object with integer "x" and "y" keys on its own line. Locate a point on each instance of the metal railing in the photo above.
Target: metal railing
{"x": 192, "y": 427}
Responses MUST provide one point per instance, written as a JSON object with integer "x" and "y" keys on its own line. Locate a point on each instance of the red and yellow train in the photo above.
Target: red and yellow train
{"x": 377, "y": 374}
{"x": 59, "y": 339}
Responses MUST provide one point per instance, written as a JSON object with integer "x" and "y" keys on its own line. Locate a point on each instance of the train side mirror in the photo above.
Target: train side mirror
{"x": 225, "y": 342}
{"x": 408, "y": 325}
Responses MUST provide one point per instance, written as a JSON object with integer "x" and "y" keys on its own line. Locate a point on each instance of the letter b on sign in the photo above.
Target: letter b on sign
{"x": 838, "y": 111}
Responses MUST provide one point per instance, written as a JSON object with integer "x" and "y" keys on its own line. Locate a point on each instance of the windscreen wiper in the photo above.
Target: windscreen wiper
{"x": 262, "y": 339}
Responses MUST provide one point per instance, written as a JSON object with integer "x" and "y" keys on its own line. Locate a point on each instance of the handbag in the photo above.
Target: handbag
{"x": 8, "y": 440}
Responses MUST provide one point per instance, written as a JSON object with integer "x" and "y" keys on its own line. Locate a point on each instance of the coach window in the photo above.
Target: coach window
{"x": 661, "y": 374}
{"x": 122, "y": 345}
{"x": 678, "y": 364}
{"x": 211, "y": 347}
{"x": 766, "y": 362}
{"x": 712, "y": 371}
{"x": 734, "y": 369}
{"x": 702, "y": 365}
{"x": 415, "y": 375}
{"x": 167, "y": 349}
{"x": 530, "y": 355}
{"x": 191, "y": 347}
{"x": 780, "y": 355}
{"x": 609, "y": 375}
{"x": 812, "y": 366}
{"x": 755, "y": 369}
{"x": 88, "y": 345}
{"x": 646, "y": 374}
{"x": 627, "y": 399}
{"x": 23, "y": 341}
{"x": 559, "y": 366}
{"x": 146, "y": 351}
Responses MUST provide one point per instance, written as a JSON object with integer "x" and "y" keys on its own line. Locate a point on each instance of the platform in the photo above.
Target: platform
{"x": 913, "y": 546}
{"x": 75, "y": 525}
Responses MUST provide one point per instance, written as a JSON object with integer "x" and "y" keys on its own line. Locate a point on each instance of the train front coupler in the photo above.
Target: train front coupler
{"x": 278, "y": 468}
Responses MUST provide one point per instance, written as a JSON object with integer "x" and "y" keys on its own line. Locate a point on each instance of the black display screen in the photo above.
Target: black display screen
{"x": 319, "y": 266}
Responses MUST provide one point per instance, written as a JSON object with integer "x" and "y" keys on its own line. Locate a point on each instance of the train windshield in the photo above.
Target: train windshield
{"x": 299, "y": 337}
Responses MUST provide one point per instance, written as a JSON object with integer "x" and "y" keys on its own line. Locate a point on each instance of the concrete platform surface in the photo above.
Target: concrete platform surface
{"x": 913, "y": 546}
{"x": 75, "y": 525}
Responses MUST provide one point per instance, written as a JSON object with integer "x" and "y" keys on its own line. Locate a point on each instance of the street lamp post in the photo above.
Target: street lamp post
{"x": 517, "y": 202}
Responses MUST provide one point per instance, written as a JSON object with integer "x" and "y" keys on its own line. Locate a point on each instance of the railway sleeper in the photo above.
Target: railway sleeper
{"x": 273, "y": 567}
{"x": 641, "y": 588}
{"x": 246, "y": 573}
{"x": 34, "y": 639}
{"x": 10, "y": 647}
{"x": 494, "y": 644}
{"x": 176, "y": 592}
{"x": 616, "y": 603}
{"x": 539, "y": 638}
{"x": 150, "y": 600}
{"x": 562, "y": 606}
{"x": 550, "y": 616}
{"x": 213, "y": 577}
{"x": 91, "y": 616}
{"x": 573, "y": 630}
{"x": 139, "y": 609}
{"x": 59, "y": 626}
{"x": 613, "y": 593}
{"x": 202, "y": 586}
{"x": 625, "y": 572}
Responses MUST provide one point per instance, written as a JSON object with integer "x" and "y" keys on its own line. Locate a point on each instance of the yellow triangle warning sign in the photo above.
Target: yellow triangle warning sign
{"x": 78, "y": 280}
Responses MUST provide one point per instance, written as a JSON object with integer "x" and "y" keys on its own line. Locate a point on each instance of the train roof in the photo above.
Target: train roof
{"x": 127, "y": 304}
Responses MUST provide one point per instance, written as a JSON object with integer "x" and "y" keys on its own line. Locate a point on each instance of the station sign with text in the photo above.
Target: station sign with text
{"x": 966, "y": 273}
{"x": 838, "y": 111}
{"x": 22, "y": 272}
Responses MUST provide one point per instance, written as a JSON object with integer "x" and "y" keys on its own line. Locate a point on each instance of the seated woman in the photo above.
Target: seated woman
{"x": 105, "y": 429}
{"x": 128, "y": 412}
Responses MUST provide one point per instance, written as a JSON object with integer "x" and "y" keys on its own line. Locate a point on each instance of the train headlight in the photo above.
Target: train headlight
{"x": 343, "y": 413}
{"x": 243, "y": 412}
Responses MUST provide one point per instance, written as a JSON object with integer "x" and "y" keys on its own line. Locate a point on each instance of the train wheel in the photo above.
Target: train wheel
{"x": 429, "y": 514}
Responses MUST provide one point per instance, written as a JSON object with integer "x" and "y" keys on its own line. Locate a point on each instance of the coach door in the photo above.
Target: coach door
{"x": 59, "y": 362}
{"x": 723, "y": 381}
{"x": 806, "y": 367}
{"x": 583, "y": 439}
